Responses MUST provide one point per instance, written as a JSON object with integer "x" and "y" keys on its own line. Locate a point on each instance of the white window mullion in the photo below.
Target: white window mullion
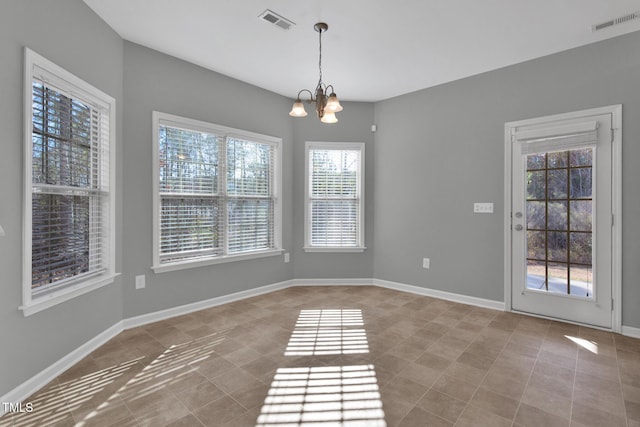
{"x": 224, "y": 198}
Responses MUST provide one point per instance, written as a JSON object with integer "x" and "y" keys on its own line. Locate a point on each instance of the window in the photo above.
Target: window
{"x": 69, "y": 186}
{"x": 216, "y": 193}
{"x": 334, "y": 196}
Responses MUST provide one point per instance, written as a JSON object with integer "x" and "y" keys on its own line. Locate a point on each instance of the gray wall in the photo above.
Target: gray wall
{"x": 354, "y": 125}
{"x": 84, "y": 45}
{"x": 435, "y": 153}
{"x": 440, "y": 150}
{"x": 154, "y": 81}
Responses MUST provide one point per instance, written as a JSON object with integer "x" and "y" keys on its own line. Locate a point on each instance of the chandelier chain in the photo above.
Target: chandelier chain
{"x": 320, "y": 57}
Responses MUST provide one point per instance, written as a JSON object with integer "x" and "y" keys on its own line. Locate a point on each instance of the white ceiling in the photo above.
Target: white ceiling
{"x": 374, "y": 49}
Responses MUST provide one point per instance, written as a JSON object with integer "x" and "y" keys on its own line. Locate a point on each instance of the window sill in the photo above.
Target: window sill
{"x": 56, "y": 297}
{"x": 182, "y": 265}
{"x": 335, "y": 249}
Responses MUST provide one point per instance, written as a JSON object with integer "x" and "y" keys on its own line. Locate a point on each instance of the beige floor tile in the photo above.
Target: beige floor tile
{"x": 188, "y": 420}
{"x": 251, "y": 397}
{"x": 236, "y": 379}
{"x": 529, "y": 416}
{"x": 434, "y": 361}
{"x": 418, "y": 417}
{"x": 199, "y": 395}
{"x": 442, "y": 405}
{"x": 548, "y": 402}
{"x": 391, "y": 363}
{"x": 420, "y": 373}
{"x": 219, "y": 412}
{"x": 590, "y": 416}
{"x": 495, "y": 403}
{"x": 454, "y": 387}
{"x": 466, "y": 373}
{"x": 504, "y": 384}
{"x": 401, "y": 388}
{"x": 474, "y": 416}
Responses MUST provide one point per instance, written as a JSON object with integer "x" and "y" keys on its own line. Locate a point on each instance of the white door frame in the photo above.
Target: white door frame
{"x": 616, "y": 203}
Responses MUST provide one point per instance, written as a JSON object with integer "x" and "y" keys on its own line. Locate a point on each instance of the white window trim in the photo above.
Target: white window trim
{"x": 182, "y": 122}
{"x": 74, "y": 85}
{"x": 360, "y": 146}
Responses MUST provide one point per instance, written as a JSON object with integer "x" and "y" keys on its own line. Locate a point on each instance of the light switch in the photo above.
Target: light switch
{"x": 483, "y": 208}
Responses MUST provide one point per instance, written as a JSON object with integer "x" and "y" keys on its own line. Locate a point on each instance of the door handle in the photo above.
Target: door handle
{"x": 519, "y": 227}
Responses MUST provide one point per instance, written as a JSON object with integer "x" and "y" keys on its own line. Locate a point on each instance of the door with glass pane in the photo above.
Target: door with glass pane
{"x": 561, "y": 219}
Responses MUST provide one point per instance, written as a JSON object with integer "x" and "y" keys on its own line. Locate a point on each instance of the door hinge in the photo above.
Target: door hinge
{"x": 612, "y": 304}
{"x": 612, "y": 134}
{"x": 612, "y": 220}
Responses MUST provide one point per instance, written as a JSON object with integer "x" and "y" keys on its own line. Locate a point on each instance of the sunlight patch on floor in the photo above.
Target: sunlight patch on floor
{"x": 323, "y": 396}
{"x": 591, "y": 346}
{"x": 326, "y": 332}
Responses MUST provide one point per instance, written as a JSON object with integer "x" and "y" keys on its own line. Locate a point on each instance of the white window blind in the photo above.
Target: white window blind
{"x": 217, "y": 192}
{"x": 70, "y": 200}
{"x": 189, "y": 197}
{"x": 334, "y": 195}
{"x": 250, "y": 204}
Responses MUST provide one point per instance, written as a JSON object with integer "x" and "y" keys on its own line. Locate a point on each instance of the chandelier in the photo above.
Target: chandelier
{"x": 326, "y": 105}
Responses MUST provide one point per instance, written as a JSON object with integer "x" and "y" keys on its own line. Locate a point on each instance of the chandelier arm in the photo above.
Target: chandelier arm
{"x": 311, "y": 99}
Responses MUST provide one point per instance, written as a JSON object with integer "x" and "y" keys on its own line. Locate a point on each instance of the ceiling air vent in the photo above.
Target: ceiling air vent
{"x": 617, "y": 21}
{"x": 273, "y": 18}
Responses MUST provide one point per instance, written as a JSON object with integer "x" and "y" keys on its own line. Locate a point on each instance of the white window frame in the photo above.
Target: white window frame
{"x": 159, "y": 118}
{"x": 340, "y": 146}
{"x": 36, "y": 66}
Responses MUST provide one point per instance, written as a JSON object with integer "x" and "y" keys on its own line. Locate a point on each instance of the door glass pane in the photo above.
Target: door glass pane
{"x": 558, "y": 277}
{"x": 536, "y": 245}
{"x": 536, "y": 215}
{"x": 536, "y": 275}
{"x": 557, "y": 182}
{"x": 559, "y": 222}
{"x": 582, "y": 157}
{"x": 536, "y": 185}
{"x": 581, "y": 183}
{"x": 581, "y": 215}
{"x": 557, "y": 246}
{"x": 558, "y": 160}
{"x": 581, "y": 249}
{"x": 581, "y": 281}
{"x": 536, "y": 161}
{"x": 557, "y": 215}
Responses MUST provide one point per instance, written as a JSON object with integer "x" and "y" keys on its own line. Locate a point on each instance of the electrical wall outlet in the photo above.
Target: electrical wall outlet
{"x": 426, "y": 263}
{"x": 140, "y": 281}
{"x": 287, "y": 257}
{"x": 483, "y": 208}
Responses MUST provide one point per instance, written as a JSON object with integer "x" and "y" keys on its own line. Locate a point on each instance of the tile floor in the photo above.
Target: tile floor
{"x": 348, "y": 356}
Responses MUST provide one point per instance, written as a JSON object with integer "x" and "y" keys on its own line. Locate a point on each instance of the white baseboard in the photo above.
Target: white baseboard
{"x": 156, "y": 316}
{"x": 39, "y": 380}
{"x": 35, "y": 383}
{"x": 332, "y": 282}
{"x": 631, "y": 331}
{"x": 463, "y": 299}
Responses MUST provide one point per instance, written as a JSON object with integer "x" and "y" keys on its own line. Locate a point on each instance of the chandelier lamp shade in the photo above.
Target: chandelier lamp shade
{"x": 325, "y": 98}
